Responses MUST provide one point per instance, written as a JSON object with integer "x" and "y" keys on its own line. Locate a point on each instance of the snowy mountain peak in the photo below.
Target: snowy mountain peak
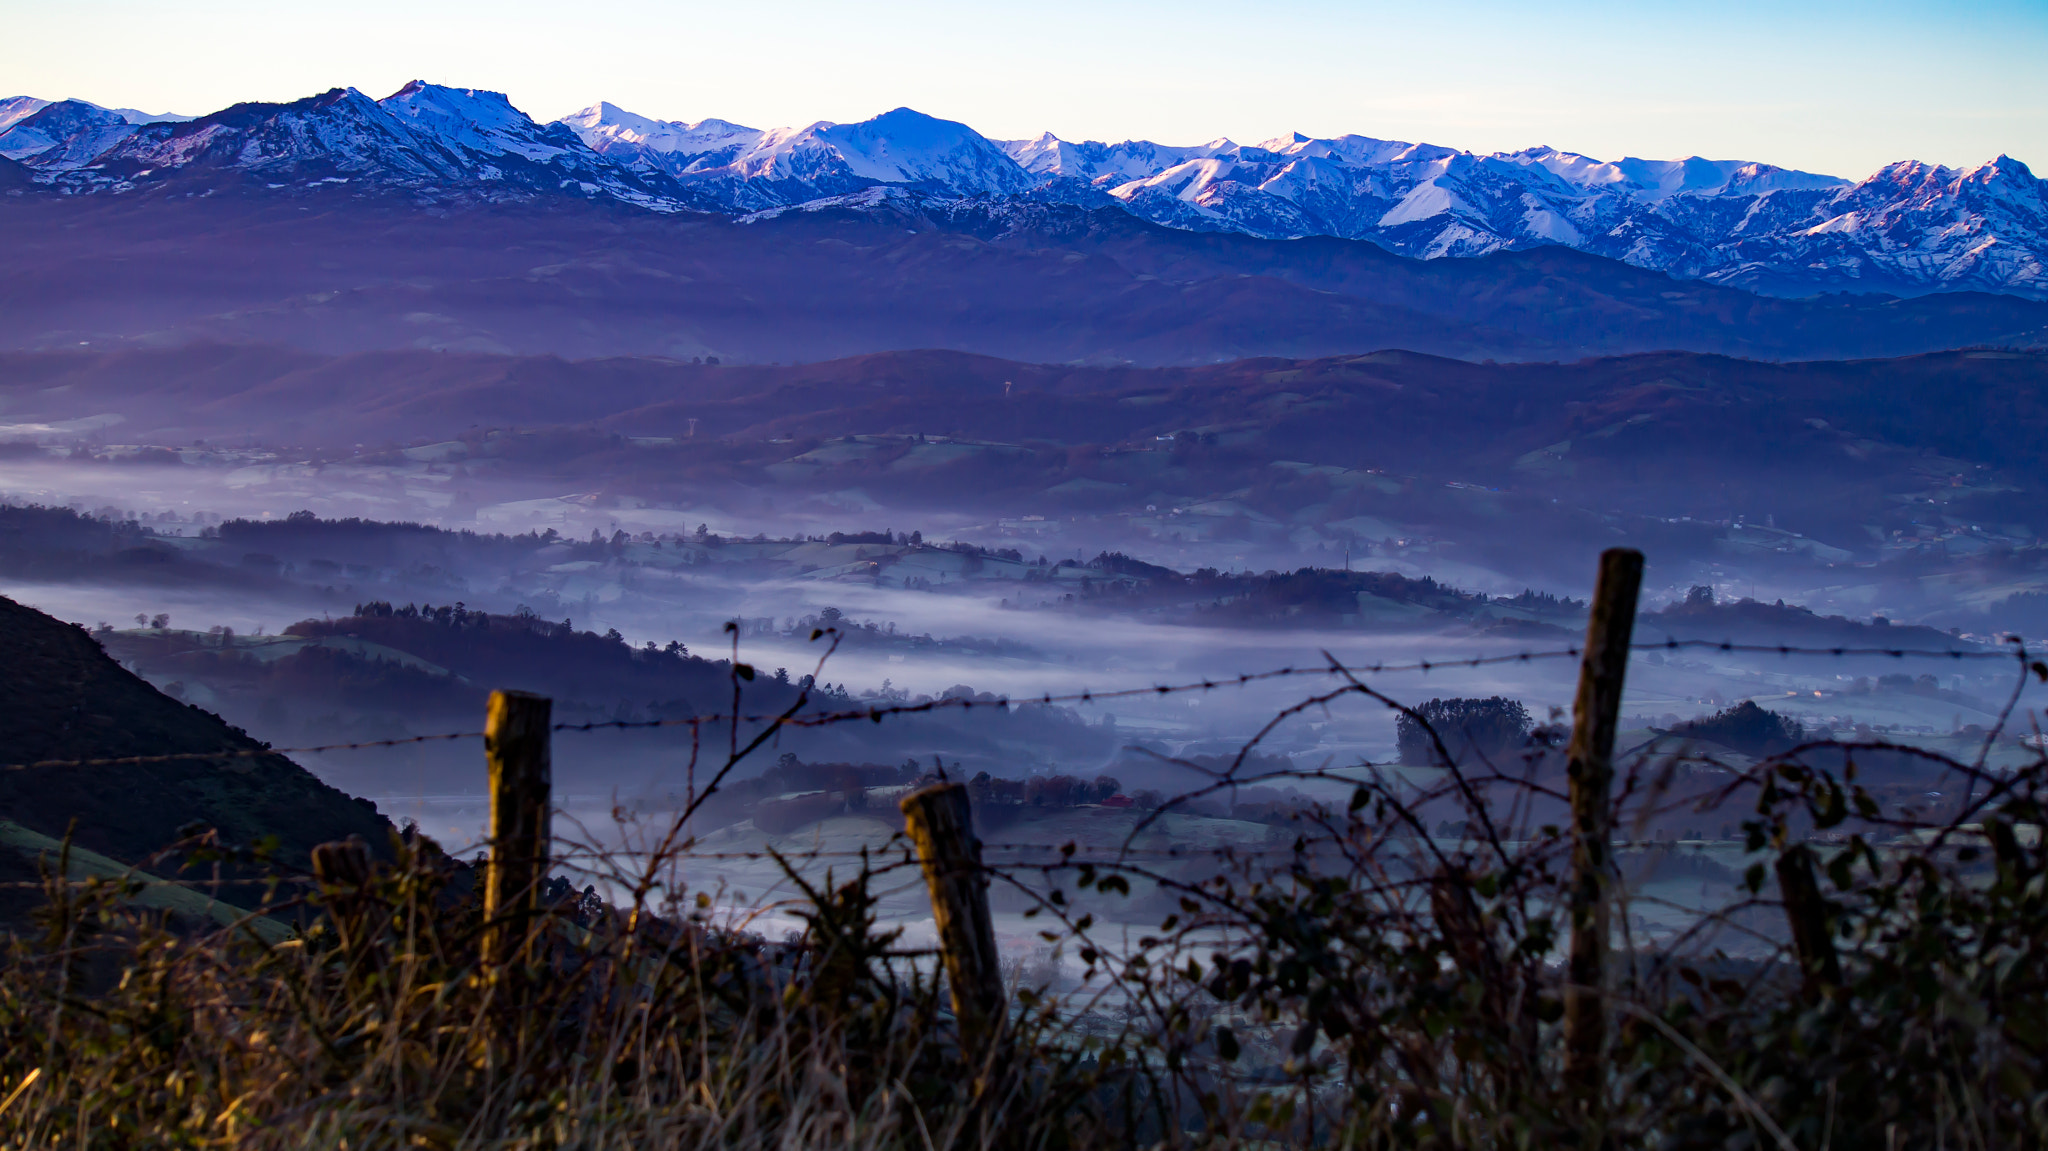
{"x": 2003, "y": 168}
{"x": 1910, "y": 227}
{"x": 64, "y": 134}
{"x": 603, "y": 123}
{"x": 1359, "y": 151}
{"x": 615, "y": 121}
{"x": 1658, "y": 179}
{"x": 904, "y": 146}
{"x": 1107, "y": 164}
{"x": 729, "y": 166}
{"x": 426, "y": 102}
{"x": 669, "y": 146}
{"x": 484, "y": 123}
{"x": 137, "y": 116}
{"x": 339, "y": 134}
{"x": 15, "y": 109}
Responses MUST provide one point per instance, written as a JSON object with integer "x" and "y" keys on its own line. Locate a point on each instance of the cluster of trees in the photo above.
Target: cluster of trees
{"x": 1746, "y": 728}
{"x": 1492, "y": 729}
{"x": 1042, "y": 790}
{"x": 313, "y": 678}
{"x": 1117, "y": 563}
{"x": 312, "y": 543}
{"x": 1701, "y": 616}
{"x": 1312, "y": 591}
{"x": 792, "y": 774}
{"x": 64, "y": 543}
{"x": 2025, "y": 613}
{"x": 1306, "y": 595}
{"x": 1542, "y": 601}
{"x": 450, "y": 615}
{"x": 1921, "y": 685}
{"x": 522, "y": 650}
{"x": 885, "y": 537}
{"x": 523, "y": 618}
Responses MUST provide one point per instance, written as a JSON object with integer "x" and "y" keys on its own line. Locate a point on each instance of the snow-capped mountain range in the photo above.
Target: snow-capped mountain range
{"x": 1910, "y": 228}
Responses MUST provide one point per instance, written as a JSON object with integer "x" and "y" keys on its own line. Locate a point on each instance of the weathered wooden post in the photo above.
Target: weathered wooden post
{"x": 343, "y": 870}
{"x": 1590, "y": 771}
{"x": 940, "y": 822}
{"x": 516, "y": 747}
{"x": 1806, "y": 908}
{"x": 343, "y": 864}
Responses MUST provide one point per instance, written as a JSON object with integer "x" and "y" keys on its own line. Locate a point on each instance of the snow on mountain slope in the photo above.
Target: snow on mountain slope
{"x": 1657, "y": 179}
{"x": 1916, "y": 224}
{"x": 908, "y": 147}
{"x": 426, "y": 138}
{"x": 340, "y": 134}
{"x": 65, "y": 134}
{"x": 1359, "y": 151}
{"x": 665, "y": 145}
{"x": 14, "y": 109}
{"x": 501, "y": 146}
{"x": 1909, "y": 228}
{"x": 137, "y": 116}
{"x": 483, "y": 123}
{"x": 744, "y": 169}
{"x": 1116, "y": 164}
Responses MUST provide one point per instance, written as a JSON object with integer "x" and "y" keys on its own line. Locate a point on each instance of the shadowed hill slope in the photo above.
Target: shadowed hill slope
{"x": 341, "y": 272}
{"x": 1384, "y": 407}
{"x": 63, "y": 698}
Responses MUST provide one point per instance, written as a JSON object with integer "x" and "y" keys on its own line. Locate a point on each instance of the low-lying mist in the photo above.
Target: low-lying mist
{"x": 970, "y": 529}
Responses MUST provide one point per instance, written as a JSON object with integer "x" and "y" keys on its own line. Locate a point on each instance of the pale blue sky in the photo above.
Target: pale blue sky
{"x": 1826, "y": 86}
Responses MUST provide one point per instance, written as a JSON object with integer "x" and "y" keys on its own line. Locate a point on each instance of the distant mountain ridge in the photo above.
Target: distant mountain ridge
{"x": 1909, "y": 229}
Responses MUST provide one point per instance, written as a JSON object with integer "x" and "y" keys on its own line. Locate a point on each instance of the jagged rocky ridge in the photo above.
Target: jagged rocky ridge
{"x": 1910, "y": 228}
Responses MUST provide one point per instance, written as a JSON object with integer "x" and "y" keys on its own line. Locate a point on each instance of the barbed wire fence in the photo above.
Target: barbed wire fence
{"x": 1231, "y": 776}
{"x": 876, "y": 712}
{"x": 1287, "y": 947}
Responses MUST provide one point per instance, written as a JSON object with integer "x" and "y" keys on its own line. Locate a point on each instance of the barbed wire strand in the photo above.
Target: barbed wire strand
{"x": 961, "y": 703}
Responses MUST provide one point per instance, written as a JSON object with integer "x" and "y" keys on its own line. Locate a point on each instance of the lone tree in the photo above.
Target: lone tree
{"x": 1488, "y": 728}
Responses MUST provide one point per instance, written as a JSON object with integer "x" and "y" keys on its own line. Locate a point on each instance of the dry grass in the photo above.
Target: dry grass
{"x": 377, "y": 1027}
{"x": 1376, "y": 986}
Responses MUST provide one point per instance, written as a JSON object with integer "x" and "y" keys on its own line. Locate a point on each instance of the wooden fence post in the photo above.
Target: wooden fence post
{"x": 1806, "y": 908}
{"x": 516, "y": 746}
{"x": 343, "y": 870}
{"x": 1609, "y": 628}
{"x": 940, "y": 822}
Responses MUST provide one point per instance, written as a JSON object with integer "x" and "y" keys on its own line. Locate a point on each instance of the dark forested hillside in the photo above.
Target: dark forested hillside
{"x": 61, "y": 543}
{"x": 523, "y": 652}
{"x": 389, "y": 671}
{"x": 63, "y": 698}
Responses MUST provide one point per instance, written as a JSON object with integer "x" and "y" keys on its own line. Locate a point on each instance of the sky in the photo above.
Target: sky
{"x": 1841, "y": 88}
